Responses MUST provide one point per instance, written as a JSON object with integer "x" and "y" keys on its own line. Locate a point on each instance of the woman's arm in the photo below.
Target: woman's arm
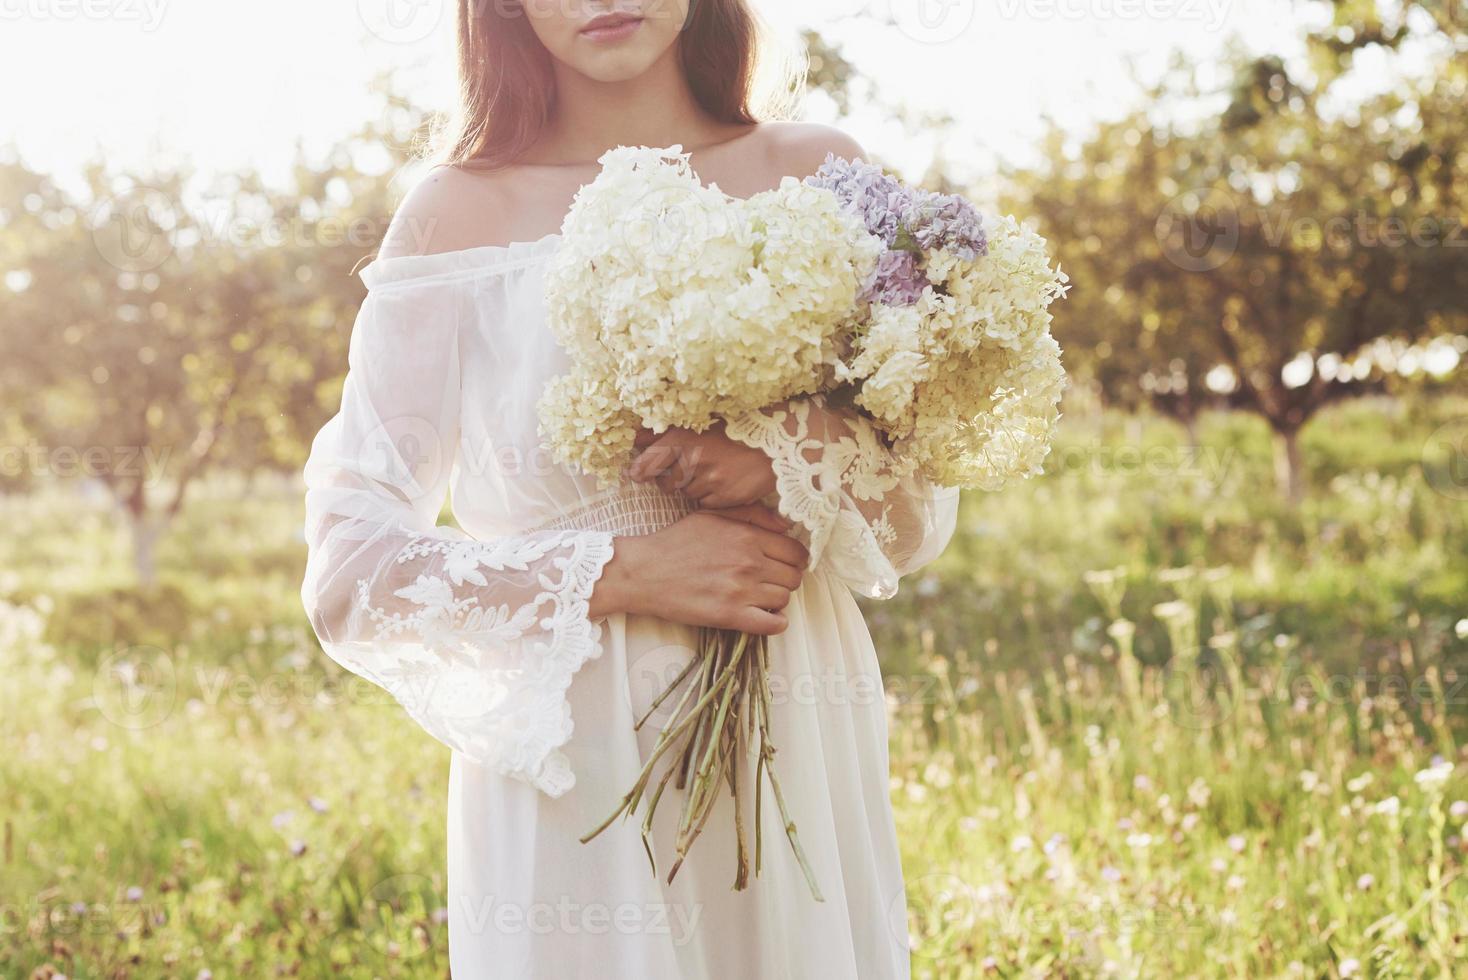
{"x": 478, "y": 639}
{"x": 827, "y": 471}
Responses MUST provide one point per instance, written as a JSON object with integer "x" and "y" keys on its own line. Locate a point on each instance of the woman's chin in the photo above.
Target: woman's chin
{"x": 616, "y": 67}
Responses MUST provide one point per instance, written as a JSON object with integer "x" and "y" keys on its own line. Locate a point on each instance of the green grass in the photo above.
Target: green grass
{"x": 1146, "y": 721}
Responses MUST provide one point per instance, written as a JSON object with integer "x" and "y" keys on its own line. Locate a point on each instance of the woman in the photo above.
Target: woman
{"x": 559, "y": 604}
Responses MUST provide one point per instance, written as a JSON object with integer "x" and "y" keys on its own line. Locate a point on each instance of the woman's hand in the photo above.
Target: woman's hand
{"x": 707, "y": 466}
{"x": 734, "y": 569}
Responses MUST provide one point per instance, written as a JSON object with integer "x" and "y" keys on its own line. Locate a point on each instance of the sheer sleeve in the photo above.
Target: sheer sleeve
{"x": 864, "y": 518}
{"x": 477, "y": 639}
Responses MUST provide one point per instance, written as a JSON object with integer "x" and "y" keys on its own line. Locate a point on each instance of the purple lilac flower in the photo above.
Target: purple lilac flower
{"x": 879, "y": 198}
{"x": 948, "y": 222}
{"x": 910, "y": 222}
{"x": 898, "y": 281}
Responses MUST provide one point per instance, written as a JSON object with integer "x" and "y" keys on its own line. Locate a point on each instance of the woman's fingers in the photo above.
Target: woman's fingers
{"x": 674, "y": 480}
{"x": 761, "y": 622}
{"x": 658, "y": 454}
{"x": 772, "y": 597}
{"x": 651, "y": 462}
{"x": 783, "y": 576}
{"x": 757, "y": 514}
{"x": 783, "y": 548}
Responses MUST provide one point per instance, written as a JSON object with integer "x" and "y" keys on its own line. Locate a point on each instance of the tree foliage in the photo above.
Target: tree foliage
{"x": 1260, "y": 254}
{"x": 157, "y": 326}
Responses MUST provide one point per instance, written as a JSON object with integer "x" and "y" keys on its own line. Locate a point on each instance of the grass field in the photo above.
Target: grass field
{"x": 1147, "y": 721}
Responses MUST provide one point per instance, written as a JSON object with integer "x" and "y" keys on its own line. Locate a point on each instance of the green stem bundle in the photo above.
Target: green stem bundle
{"x": 721, "y": 716}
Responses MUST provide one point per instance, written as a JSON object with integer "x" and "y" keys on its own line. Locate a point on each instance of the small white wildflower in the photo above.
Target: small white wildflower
{"x": 1433, "y": 778}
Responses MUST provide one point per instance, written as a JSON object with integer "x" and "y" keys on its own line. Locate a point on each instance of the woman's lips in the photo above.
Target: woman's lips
{"x": 614, "y": 28}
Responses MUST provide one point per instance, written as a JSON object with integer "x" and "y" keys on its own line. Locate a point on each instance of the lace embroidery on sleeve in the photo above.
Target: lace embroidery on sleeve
{"x": 492, "y": 679}
{"x": 478, "y": 640}
{"x": 865, "y": 517}
{"x": 812, "y": 469}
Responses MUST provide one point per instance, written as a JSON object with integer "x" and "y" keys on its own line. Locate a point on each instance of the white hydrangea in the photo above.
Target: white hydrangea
{"x": 967, "y": 382}
{"x": 678, "y": 304}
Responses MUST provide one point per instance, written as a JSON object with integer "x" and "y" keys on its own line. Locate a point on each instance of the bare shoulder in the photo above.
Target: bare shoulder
{"x": 799, "y": 148}
{"x": 447, "y": 210}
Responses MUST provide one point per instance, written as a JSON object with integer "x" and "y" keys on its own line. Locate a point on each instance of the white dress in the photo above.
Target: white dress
{"x": 483, "y": 637}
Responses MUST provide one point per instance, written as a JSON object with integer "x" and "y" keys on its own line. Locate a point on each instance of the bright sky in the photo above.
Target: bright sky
{"x": 237, "y": 82}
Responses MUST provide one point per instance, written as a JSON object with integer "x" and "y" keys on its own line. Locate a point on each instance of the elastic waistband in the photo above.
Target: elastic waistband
{"x": 632, "y": 510}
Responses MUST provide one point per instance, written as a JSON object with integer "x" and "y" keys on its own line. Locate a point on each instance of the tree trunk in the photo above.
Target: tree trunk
{"x": 145, "y": 526}
{"x": 1190, "y": 426}
{"x": 1289, "y": 472}
{"x": 145, "y": 534}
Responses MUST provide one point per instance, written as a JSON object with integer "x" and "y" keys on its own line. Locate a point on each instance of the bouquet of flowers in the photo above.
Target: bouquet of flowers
{"x": 952, "y": 357}
{"x": 740, "y": 305}
{"x": 680, "y": 306}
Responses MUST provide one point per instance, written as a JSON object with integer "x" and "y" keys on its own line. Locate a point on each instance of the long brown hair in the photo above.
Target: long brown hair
{"x": 507, "y": 88}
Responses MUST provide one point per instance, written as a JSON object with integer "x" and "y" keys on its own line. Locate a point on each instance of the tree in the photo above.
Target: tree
{"x": 1258, "y": 256}
{"x": 157, "y": 327}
